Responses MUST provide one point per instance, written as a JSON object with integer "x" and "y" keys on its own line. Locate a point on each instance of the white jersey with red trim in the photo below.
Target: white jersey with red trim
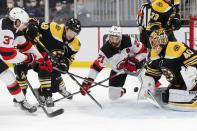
{"x": 9, "y": 40}
{"x": 116, "y": 57}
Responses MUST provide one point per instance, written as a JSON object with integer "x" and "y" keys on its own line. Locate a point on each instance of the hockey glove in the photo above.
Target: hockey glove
{"x": 175, "y": 23}
{"x": 63, "y": 65}
{"x": 31, "y": 58}
{"x": 45, "y": 63}
{"x": 32, "y": 31}
{"x": 131, "y": 64}
{"x": 86, "y": 86}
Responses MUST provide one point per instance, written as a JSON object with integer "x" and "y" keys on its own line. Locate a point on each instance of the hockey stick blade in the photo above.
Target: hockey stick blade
{"x": 55, "y": 113}
{"x": 52, "y": 114}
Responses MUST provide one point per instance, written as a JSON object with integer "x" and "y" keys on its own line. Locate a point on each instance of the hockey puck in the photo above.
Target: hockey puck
{"x": 136, "y": 89}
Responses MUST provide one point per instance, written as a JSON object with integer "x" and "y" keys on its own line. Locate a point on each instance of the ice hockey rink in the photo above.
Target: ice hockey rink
{"x": 82, "y": 114}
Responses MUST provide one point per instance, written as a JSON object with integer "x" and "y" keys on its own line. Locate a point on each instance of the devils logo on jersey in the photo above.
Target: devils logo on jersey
{"x": 121, "y": 64}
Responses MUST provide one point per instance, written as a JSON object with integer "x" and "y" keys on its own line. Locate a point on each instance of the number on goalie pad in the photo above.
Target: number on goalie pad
{"x": 182, "y": 100}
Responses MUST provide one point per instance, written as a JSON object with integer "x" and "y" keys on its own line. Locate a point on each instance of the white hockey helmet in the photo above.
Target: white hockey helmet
{"x": 115, "y": 36}
{"x": 19, "y": 14}
{"x": 115, "y": 31}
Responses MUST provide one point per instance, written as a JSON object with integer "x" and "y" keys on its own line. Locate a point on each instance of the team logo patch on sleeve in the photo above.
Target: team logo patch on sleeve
{"x": 159, "y": 4}
{"x": 57, "y": 27}
{"x": 176, "y": 47}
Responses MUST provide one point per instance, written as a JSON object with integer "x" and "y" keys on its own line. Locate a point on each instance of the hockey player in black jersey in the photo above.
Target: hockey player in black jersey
{"x": 166, "y": 59}
{"x": 166, "y": 14}
{"x": 122, "y": 52}
{"x": 61, "y": 41}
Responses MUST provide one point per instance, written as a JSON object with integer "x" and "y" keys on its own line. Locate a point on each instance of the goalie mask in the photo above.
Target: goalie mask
{"x": 158, "y": 39}
{"x": 115, "y": 36}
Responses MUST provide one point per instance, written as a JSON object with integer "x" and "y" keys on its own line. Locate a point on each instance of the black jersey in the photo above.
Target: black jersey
{"x": 51, "y": 37}
{"x": 170, "y": 61}
{"x": 161, "y": 12}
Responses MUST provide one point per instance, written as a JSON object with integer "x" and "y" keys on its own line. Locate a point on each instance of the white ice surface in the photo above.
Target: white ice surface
{"x": 82, "y": 114}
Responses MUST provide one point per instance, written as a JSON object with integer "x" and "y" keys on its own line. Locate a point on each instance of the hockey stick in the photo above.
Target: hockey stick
{"x": 80, "y": 77}
{"x": 95, "y": 84}
{"x": 73, "y": 78}
{"x": 134, "y": 73}
{"x": 56, "y": 61}
{"x": 52, "y": 114}
{"x": 124, "y": 71}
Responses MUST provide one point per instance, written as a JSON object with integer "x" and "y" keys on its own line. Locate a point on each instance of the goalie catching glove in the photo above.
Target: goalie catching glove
{"x": 86, "y": 86}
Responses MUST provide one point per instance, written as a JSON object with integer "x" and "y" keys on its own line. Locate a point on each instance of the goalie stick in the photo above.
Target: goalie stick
{"x": 150, "y": 97}
{"x": 56, "y": 62}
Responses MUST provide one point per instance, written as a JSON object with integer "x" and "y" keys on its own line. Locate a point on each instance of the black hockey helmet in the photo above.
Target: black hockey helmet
{"x": 74, "y": 24}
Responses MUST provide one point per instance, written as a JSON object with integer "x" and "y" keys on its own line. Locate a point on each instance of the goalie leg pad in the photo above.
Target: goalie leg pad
{"x": 182, "y": 100}
{"x": 181, "y": 95}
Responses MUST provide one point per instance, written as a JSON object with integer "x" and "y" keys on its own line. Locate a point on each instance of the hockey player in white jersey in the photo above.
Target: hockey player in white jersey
{"x": 123, "y": 53}
{"x": 167, "y": 58}
{"x": 10, "y": 38}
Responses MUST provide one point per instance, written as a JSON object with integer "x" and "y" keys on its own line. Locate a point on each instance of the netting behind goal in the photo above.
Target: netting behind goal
{"x": 193, "y": 32}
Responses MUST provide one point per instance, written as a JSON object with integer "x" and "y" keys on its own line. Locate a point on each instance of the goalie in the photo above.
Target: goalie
{"x": 167, "y": 58}
{"x": 124, "y": 53}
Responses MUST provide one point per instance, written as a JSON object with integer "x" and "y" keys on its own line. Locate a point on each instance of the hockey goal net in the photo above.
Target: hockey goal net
{"x": 193, "y": 32}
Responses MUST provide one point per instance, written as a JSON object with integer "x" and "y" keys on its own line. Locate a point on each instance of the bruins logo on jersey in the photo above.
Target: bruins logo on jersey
{"x": 58, "y": 28}
{"x": 159, "y": 4}
{"x": 168, "y": 74}
{"x": 176, "y": 47}
{"x": 57, "y": 31}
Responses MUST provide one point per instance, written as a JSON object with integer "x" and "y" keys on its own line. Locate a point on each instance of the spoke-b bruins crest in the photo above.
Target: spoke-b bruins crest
{"x": 168, "y": 74}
